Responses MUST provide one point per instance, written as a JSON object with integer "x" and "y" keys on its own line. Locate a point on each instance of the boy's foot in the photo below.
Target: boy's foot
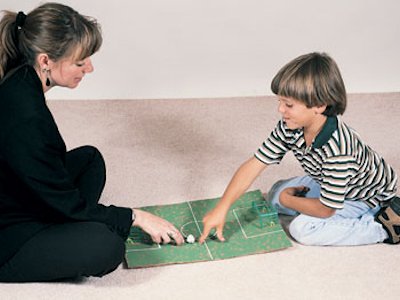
{"x": 390, "y": 220}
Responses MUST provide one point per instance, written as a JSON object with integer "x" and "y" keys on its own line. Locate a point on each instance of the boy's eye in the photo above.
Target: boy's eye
{"x": 284, "y": 102}
{"x": 79, "y": 64}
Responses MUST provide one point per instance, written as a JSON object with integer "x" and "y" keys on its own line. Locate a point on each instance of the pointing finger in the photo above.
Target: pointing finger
{"x": 220, "y": 235}
{"x": 206, "y": 231}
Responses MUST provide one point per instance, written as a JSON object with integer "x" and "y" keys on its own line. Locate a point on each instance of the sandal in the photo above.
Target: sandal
{"x": 389, "y": 217}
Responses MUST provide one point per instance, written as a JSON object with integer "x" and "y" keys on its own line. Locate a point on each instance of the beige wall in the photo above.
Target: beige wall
{"x": 219, "y": 48}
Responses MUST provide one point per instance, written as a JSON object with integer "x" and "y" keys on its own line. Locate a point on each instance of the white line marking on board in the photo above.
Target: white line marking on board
{"x": 198, "y": 227}
{"x": 144, "y": 249}
{"x": 242, "y": 229}
{"x": 183, "y": 226}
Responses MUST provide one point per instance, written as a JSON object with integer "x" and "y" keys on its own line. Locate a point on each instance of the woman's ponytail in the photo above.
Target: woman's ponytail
{"x": 9, "y": 53}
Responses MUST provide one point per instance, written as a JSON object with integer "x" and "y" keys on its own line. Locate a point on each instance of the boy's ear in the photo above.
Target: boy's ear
{"x": 320, "y": 109}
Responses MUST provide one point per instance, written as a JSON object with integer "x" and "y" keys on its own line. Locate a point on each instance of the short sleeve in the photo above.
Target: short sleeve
{"x": 274, "y": 148}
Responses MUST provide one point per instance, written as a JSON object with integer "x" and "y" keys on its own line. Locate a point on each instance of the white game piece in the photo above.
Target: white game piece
{"x": 190, "y": 239}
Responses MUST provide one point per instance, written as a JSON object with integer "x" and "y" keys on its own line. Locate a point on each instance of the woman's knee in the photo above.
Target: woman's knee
{"x": 85, "y": 157}
{"x": 66, "y": 251}
{"x": 93, "y": 153}
{"x": 105, "y": 251}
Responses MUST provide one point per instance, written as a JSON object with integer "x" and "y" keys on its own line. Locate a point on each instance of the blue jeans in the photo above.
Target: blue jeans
{"x": 352, "y": 225}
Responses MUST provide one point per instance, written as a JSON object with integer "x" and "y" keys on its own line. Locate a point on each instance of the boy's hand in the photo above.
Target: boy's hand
{"x": 213, "y": 219}
{"x": 298, "y": 191}
{"x": 301, "y": 191}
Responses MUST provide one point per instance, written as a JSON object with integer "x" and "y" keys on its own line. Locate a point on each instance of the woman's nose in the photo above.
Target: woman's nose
{"x": 89, "y": 66}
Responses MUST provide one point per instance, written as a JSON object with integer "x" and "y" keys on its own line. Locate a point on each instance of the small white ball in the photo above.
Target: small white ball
{"x": 190, "y": 239}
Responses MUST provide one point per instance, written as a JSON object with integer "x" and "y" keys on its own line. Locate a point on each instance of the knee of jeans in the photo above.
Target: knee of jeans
{"x": 275, "y": 191}
{"x": 303, "y": 232}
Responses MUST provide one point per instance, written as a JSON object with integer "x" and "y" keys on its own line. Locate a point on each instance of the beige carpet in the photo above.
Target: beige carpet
{"x": 166, "y": 151}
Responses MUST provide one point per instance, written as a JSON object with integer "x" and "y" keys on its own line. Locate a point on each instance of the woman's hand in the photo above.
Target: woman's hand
{"x": 160, "y": 230}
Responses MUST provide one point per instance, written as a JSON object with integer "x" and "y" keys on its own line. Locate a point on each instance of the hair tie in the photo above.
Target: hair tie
{"x": 20, "y": 20}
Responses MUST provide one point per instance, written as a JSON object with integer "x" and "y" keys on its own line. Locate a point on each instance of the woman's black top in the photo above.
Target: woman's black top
{"x": 35, "y": 189}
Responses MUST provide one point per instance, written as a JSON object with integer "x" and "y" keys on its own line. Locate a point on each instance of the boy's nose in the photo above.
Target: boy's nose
{"x": 281, "y": 108}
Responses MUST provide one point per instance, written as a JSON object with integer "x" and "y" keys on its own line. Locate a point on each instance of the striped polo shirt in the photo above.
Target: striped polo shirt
{"x": 344, "y": 166}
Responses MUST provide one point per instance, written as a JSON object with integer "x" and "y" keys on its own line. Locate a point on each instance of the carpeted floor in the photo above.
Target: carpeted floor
{"x": 166, "y": 151}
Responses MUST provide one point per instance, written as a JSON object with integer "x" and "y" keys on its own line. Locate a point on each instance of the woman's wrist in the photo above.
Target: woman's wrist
{"x": 134, "y": 217}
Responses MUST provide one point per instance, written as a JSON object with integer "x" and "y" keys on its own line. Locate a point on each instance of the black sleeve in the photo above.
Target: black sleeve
{"x": 35, "y": 151}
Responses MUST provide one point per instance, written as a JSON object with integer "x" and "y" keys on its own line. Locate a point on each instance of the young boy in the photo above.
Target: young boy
{"x": 345, "y": 197}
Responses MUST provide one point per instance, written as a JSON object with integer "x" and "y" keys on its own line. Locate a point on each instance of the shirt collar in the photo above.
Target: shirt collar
{"x": 331, "y": 124}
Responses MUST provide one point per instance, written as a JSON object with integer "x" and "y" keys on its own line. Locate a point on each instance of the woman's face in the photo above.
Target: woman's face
{"x": 68, "y": 72}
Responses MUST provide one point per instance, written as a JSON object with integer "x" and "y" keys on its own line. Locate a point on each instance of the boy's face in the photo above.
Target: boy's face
{"x": 296, "y": 114}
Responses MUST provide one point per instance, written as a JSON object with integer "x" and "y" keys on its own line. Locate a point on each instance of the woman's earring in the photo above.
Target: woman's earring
{"x": 47, "y": 77}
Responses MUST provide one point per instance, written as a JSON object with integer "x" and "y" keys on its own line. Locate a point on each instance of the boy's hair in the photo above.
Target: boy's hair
{"x": 52, "y": 28}
{"x": 313, "y": 79}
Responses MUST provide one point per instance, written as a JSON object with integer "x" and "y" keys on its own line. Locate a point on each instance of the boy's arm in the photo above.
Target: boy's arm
{"x": 309, "y": 206}
{"x": 240, "y": 182}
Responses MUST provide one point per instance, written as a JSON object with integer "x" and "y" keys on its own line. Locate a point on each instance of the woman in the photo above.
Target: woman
{"x": 51, "y": 224}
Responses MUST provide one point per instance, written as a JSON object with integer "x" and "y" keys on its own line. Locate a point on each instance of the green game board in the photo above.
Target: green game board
{"x": 243, "y": 231}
